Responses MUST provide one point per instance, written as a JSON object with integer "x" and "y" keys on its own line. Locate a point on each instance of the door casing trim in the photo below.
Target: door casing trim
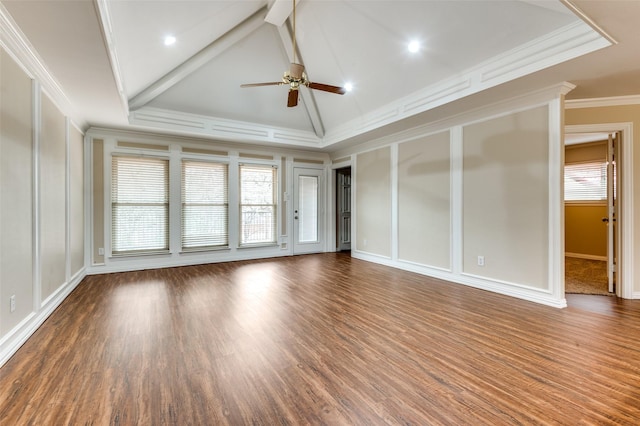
{"x": 625, "y": 221}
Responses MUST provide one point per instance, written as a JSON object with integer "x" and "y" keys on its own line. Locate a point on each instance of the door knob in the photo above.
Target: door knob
{"x": 605, "y": 219}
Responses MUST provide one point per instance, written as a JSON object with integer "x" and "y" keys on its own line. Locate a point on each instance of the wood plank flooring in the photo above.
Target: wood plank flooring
{"x": 320, "y": 339}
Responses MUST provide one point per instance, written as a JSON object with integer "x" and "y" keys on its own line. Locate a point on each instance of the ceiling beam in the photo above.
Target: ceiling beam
{"x": 195, "y": 62}
{"x": 279, "y": 12}
{"x": 587, "y": 20}
{"x": 556, "y": 6}
{"x": 308, "y": 99}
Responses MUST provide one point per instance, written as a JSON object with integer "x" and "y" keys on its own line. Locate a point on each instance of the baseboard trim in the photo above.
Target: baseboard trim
{"x": 13, "y": 340}
{"x": 585, "y": 256}
{"x": 519, "y": 291}
{"x": 139, "y": 264}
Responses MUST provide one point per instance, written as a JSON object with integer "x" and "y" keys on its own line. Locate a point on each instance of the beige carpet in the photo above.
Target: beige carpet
{"x": 584, "y": 276}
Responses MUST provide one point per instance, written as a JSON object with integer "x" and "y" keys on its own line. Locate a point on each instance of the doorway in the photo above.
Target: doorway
{"x": 308, "y": 210}
{"x": 343, "y": 209}
{"x": 596, "y": 193}
{"x": 589, "y": 205}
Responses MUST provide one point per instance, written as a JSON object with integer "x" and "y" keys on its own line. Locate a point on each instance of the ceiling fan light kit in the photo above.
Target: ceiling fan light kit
{"x": 296, "y": 76}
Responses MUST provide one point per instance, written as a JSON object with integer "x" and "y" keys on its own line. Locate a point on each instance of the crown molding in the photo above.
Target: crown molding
{"x": 157, "y": 119}
{"x": 532, "y": 99}
{"x": 602, "y": 102}
{"x": 161, "y": 137}
{"x": 222, "y": 129}
{"x": 16, "y": 44}
{"x": 568, "y": 42}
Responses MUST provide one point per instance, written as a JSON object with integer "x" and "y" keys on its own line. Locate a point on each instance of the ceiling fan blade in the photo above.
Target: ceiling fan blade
{"x": 273, "y": 83}
{"x": 327, "y": 88}
{"x": 293, "y": 98}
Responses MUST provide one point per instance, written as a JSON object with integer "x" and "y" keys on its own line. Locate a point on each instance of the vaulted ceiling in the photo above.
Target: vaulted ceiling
{"x": 110, "y": 59}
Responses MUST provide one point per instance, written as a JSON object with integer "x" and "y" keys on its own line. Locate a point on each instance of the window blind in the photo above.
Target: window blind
{"x": 139, "y": 204}
{"x": 585, "y": 181}
{"x": 205, "y": 205}
{"x": 257, "y": 204}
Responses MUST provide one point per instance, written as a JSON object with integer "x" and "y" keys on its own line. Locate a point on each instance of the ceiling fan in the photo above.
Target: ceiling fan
{"x": 296, "y": 76}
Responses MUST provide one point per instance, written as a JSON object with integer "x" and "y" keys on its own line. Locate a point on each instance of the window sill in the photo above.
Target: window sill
{"x": 257, "y": 245}
{"x": 139, "y": 253}
{"x": 586, "y": 203}
{"x": 204, "y": 250}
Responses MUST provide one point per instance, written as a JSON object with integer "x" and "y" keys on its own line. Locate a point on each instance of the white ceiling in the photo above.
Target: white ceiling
{"x": 110, "y": 60}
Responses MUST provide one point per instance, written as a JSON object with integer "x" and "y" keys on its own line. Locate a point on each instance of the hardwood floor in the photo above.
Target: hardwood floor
{"x": 320, "y": 339}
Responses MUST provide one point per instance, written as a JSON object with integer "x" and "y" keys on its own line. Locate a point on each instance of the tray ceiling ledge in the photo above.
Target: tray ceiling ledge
{"x": 221, "y": 128}
{"x": 568, "y": 42}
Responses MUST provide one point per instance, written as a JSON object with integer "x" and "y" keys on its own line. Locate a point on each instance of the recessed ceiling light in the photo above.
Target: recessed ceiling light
{"x": 413, "y": 46}
{"x": 169, "y": 40}
{"x": 348, "y": 87}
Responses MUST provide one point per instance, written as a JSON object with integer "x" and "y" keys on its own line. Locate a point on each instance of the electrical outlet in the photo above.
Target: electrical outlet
{"x": 101, "y": 251}
{"x": 12, "y": 303}
{"x": 480, "y": 260}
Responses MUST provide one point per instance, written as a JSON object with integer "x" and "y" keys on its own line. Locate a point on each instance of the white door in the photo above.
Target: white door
{"x": 308, "y": 210}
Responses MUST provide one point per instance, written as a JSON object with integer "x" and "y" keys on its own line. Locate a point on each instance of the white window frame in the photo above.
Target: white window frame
{"x": 110, "y": 206}
{"x": 183, "y": 204}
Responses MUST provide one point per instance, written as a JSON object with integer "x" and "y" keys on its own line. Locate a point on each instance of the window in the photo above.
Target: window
{"x": 205, "y": 205}
{"x": 308, "y": 209}
{"x": 257, "y": 204}
{"x": 139, "y": 205}
{"x": 585, "y": 181}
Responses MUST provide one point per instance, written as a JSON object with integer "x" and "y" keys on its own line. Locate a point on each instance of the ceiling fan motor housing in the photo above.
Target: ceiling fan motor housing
{"x": 295, "y": 71}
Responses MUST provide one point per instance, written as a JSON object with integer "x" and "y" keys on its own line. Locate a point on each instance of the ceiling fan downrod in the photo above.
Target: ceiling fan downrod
{"x": 295, "y": 76}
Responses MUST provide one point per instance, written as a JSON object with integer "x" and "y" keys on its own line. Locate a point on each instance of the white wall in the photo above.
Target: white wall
{"x": 505, "y": 200}
{"x": 53, "y": 224}
{"x": 373, "y": 204}
{"x": 104, "y": 143}
{"x": 424, "y": 201}
{"x": 42, "y": 185}
{"x": 483, "y": 183}
{"x": 16, "y": 196}
{"x": 76, "y": 202}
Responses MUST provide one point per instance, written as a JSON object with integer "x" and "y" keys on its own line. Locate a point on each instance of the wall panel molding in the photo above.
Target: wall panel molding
{"x": 32, "y": 310}
{"x": 546, "y": 107}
